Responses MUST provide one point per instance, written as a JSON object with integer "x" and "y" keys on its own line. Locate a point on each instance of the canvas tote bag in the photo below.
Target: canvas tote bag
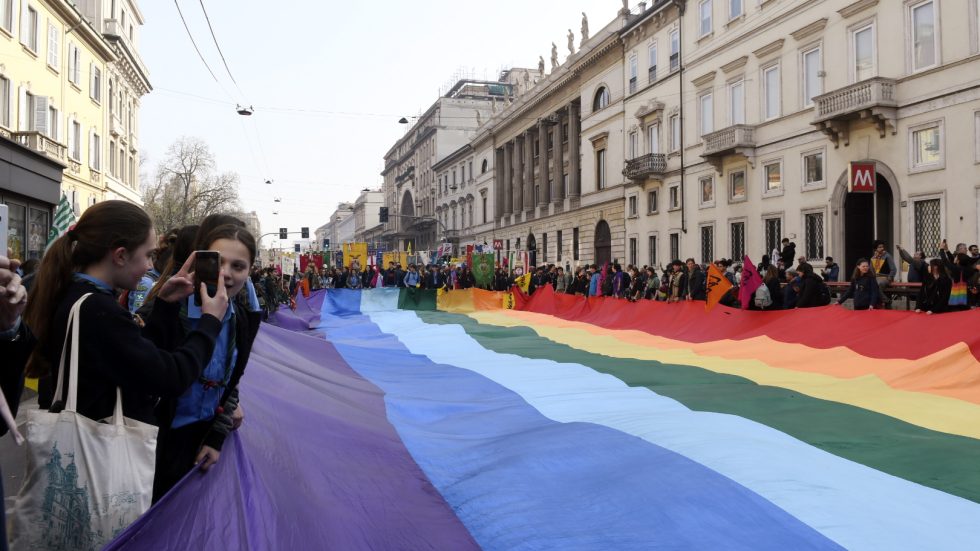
{"x": 86, "y": 481}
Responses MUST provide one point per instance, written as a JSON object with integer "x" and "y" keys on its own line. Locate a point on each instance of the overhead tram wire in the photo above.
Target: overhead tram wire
{"x": 198, "y": 50}
{"x": 216, "y": 45}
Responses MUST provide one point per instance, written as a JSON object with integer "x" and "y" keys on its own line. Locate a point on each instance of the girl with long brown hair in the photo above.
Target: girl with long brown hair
{"x": 109, "y": 249}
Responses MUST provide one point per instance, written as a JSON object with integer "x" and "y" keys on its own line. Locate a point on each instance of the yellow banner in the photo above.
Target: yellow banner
{"x": 398, "y": 257}
{"x": 508, "y": 301}
{"x": 355, "y": 252}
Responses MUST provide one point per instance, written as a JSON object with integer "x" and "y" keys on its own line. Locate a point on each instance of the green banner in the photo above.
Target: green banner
{"x": 483, "y": 270}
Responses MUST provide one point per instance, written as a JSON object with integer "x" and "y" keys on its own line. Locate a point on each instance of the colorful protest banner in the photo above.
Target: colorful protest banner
{"x": 717, "y": 285}
{"x": 355, "y": 252}
{"x": 483, "y": 270}
{"x": 751, "y": 280}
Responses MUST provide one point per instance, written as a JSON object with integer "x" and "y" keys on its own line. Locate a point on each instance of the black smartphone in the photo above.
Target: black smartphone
{"x": 206, "y": 268}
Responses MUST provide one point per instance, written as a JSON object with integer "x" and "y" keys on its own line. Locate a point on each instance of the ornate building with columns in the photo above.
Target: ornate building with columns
{"x": 742, "y": 119}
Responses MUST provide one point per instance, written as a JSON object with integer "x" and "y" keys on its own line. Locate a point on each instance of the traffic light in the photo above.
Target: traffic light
{"x": 296, "y": 247}
{"x": 383, "y": 215}
{"x": 305, "y": 233}
{"x": 283, "y": 233}
{"x": 326, "y": 244}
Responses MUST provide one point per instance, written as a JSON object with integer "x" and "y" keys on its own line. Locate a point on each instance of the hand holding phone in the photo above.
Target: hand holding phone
{"x": 206, "y": 267}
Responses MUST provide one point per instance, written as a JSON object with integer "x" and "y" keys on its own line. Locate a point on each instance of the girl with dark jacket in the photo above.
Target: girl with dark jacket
{"x": 109, "y": 249}
{"x": 864, "y": 288}
{"x": 812, "y": 287}
{"x": 194, "y": 425}
{"x": 936, "y": 287}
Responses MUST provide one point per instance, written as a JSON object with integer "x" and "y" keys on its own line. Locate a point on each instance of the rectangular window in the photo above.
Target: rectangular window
{"x": 633, "y": 145}
{"x": 675, "y": 246}
{"x": 675, "y": 133}
{"x": 771, "y": 93}
{"x": 95, "y": 152}
{"x": 653, "y": 138}
{"x": 925, "y": 39}
{"x": 773, "y": 178}
{"x": 675, "y": 197}
{"x": 633, "y": 247}
{"x": 704, "y": 17}
{"x": 112, "y": 159}
{"x": 774, "y": 231}
{"x": 652, "y": 201}
{"x": 537, "y": 148}
{"x": 632, "y": 205}
{"x": 736, "y": 185}
{"x": 575, "y": 255}
{"x": 76, "y": 141}
{"x": 558, "y": 244}
{"x": 564, "y": 133}
{"x": 16, "y": 228}
{"x": 863, "y": 47}
{"x": 7, "y": 15}
{"x": 53, "y": 126}
{"x": 813, "y": 169}
{"x": 738, "y": 239}
{"x": 564, "y": 184}
{"x": 544, "y": 247}
{"x": 96, "y": 91}
{"x": 634, "y": 70}
{"x": 484, "y": 201}
{"x": 74, "y": 64}
{"x": 54, "y": 49}
{"x": 5, "y": 102}
{"x": 707, "y": 244}
{"x": 652, "y": 249}
{"x": 675, "y": 51}
{"x": 707, "y": 187}
{"x": 600, "y": 169}
{"x": 706, "y": 113}
{"x": 736, "y": 102}
{"x": 812, "y": 86}
{"x": 652, "y": 69}
{"x": 28, "y": 29}
{"x": 926, "y": 147}
{"x": 734, "y": 8}
{"x": 976, "y": 135}
{"x": 928, "y": 226}
{"x": 813, "y": 223}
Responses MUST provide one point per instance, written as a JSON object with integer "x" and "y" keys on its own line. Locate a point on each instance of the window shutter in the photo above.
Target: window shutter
{"x": 91, "y": 80}
{"x": 24, "y": 24}
{"x": 22, "y": 108}
{"x": 71, "y": 136}
{"x": 91, "y": 148}
{"x": 41, "y": 114}
{"x": 54, "y": 48}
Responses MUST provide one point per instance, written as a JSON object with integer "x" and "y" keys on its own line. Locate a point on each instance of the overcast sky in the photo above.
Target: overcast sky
{"x": 329, "y": 81}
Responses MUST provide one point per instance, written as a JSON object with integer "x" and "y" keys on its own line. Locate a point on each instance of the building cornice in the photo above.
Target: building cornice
{"x": 856, "y": 8}
{"x": 809, "y": 30}
{"x": 80, "y": 26}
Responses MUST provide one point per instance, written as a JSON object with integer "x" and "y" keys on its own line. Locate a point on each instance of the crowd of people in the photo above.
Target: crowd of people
{"x": 175, "y": 349}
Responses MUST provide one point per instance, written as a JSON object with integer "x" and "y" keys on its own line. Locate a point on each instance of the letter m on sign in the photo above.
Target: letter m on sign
{"x": 861, "y": 177}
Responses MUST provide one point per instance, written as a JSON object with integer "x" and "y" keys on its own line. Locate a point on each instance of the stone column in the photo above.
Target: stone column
{"x": 508, "y": 177}
{"x": 517, "y": 188}
{"x": 542, "y": 164}
{"x": 529, "y": 198}
{"x": 558, "y": 190}
{"x": 574, "y": 142}
{"x": 498, "y": 183}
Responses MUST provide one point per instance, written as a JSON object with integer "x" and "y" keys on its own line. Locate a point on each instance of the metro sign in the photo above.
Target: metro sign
{"x": 861, "y": 177}
{"x": 498, "y": 244}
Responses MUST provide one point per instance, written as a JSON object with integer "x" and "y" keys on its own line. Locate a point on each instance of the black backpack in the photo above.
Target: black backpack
{"x": 824, "y": 294}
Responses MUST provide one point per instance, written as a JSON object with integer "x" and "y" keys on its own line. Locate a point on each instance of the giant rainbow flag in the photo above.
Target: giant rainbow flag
{"x": 402, "y": 419}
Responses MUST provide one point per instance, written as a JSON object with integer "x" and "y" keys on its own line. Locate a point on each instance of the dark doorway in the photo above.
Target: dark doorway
{"x": 867, "y": 217}
{"x": 603, "y": 243}
{"x": 532, "y": 250}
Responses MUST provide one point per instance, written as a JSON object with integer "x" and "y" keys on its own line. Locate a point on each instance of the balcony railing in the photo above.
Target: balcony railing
{"x": 43, "y": 144}
{"x": 726, "y": 140}
{"x": 853, "y": 99}
{"x": 646, "y": 166}
{"x": 873, "y": 100}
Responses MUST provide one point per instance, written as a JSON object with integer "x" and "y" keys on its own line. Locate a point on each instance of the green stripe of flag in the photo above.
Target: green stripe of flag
{"x": 942, "y": 461}
{"x": 64, "y": 217}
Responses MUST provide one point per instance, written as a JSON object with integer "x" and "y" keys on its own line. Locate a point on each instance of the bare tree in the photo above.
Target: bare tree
{"x": 188, "y": 187}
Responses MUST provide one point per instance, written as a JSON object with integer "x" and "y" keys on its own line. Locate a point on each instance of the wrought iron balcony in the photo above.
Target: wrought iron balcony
{"x": 738, "y": 139}
{"x": 651, "y": 165}
{"x": 43, "y": 144}
{"x": 872, "y": 99}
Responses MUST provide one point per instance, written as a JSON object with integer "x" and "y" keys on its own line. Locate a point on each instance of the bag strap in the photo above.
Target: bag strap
{"x": 74, "y": 326}
{"x": 70, "y": 327}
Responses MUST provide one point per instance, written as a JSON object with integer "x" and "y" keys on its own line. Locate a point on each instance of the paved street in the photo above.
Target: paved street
{"x": 13, "y": 458}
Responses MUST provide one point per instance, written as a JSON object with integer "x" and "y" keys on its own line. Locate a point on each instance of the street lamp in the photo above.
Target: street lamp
{"x": 244, "y": 111}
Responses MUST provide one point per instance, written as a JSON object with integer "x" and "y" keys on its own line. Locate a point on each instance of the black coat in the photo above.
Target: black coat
{"x": 14, "y": 353}
{"x": 811, "y": 292}
{"x": 934, "y": 295}
{"x": 114, "y": 352}
{"x": 864, "y": 291}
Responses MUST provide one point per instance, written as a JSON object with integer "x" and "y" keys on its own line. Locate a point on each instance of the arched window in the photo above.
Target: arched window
{"x": 601, "y": 99}
{"x": 484, "y": 167}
